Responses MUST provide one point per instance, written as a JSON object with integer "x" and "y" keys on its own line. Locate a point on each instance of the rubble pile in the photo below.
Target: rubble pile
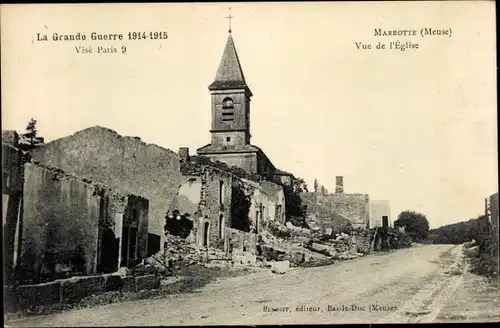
{"x": 278, "y": 230}
{"x": 308, "y": 247}
{"x": 341, "y": 247}
{"x": 272, "y": 248}
{"x": 298, "y": 231}
{"x": 177, "y": 251}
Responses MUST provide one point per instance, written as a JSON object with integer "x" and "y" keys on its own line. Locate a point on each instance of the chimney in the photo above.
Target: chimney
{"x": 339, "y": 185}
{"x": 184, "y": 154}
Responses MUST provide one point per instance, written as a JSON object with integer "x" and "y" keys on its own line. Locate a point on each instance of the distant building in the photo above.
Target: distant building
{"x": 340, "y": 205}
{"x": 339, "y": 184}
{"x": 378, "y": 210}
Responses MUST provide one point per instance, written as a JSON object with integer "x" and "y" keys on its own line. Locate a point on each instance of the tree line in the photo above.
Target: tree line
{"x": 461, "y": 232}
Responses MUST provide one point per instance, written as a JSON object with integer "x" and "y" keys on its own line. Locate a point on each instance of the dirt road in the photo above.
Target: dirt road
{"x": 407, "y": 285}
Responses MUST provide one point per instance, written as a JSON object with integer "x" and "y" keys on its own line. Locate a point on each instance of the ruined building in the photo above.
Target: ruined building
{"x": 56, "y": 223}
{"x": 205, "y": 197}
{"x": 353, "y": 207}
{"x": 380, "y": 213}
{"x": 230, "y": 129}
{"x": 124, "y": 164}
{"x": 274, "y": 210}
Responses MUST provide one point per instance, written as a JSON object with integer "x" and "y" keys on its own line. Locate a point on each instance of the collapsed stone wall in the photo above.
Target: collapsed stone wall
{"x": 354, "y": 207}
{"x": 60, "y": 222}
{"x": 73, "y": 290}
{"x": 213, "y": 202}
{"x": 216, "y": 203}
{"x": 275, "y": 201}
{"x": 125, "y": 164}
{"x": 241, "y": 241}
{"x": 303, "y": 247}
{"x": 69, "y": 225}
{"x": 13, "y": 161}
{"x": 187, "y": 201}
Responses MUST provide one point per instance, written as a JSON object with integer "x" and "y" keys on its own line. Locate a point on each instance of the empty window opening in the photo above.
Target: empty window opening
{"x": 227, "y": 103}
{"x": 228, "y": 139}
{"x": 278, "y": 212}
{"x": 129, "y": 238}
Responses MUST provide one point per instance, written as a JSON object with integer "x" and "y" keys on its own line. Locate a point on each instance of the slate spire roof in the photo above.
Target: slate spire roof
{"x": 229, "y": 75}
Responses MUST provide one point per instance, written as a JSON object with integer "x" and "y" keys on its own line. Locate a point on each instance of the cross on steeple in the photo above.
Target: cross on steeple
{"x": 229, "y": 18}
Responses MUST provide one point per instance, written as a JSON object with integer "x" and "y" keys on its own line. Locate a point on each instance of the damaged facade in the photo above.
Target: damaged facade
{"x": 343, "y": 206}
{"x": 124, "y": 164}
{"x": 205, "y": 197}
{"x": 61, "y": 225}
{"x": 274, "y": 205}
{"x": 13, "y": 161}
{"x": 259, "y": 207}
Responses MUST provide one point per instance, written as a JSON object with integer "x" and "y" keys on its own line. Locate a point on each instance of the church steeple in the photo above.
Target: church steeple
{"x": 230, "y": 74}
{"x": 230, "y": 128}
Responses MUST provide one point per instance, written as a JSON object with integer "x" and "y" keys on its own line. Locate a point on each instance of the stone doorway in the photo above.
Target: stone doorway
{"x": 206, "y": 227}
{"x": 129, "y": 238}
{"x": 385, "y": 221}
{"x": 109, "y": 249}
{"x": 222, "y": 224}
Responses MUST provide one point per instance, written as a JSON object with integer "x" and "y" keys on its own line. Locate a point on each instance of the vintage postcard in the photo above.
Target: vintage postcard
{"x": 249, "y": 163}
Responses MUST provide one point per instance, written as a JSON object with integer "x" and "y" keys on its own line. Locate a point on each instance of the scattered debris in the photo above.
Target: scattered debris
{"x": 280, "y": 267}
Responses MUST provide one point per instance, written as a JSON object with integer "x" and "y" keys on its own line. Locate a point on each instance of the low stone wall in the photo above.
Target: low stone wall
{"x": 73, "y": 290}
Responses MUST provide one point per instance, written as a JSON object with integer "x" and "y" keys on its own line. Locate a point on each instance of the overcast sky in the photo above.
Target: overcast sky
{"x": 415, "y": 127}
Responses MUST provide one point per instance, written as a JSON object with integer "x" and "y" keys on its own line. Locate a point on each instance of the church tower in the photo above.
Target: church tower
{"x": 230, "y": 126}
{"x": 230, "y": 97}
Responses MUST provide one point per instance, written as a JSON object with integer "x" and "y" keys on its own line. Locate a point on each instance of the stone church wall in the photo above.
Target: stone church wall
{"x": 264, "y": 166}
{"x": 124, "y": 164}
{"x": 219, "y": 140}
{"x": 247, "y": 162}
